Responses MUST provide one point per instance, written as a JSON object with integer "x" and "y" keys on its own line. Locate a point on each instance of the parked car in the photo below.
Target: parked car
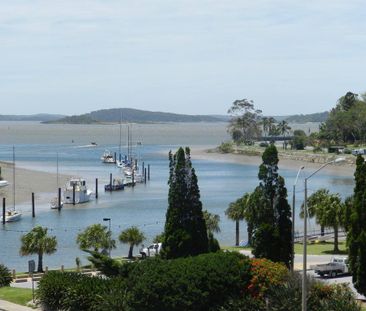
{"x": 356, "y": 152}
{"x": 338, "y": 265}
{"x": 151, "y": 250}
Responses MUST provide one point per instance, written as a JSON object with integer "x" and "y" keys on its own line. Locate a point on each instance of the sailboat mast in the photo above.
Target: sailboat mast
{"x": 120, "y": 132}
{"x": 14, "y": 177}
{"x": 57, "y": 170}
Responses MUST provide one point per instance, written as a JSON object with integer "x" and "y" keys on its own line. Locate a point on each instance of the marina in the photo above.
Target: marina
{"x": 144, "y": 205}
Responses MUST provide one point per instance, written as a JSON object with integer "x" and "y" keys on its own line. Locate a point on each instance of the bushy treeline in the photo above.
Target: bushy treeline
{"x": 216, "y": 281}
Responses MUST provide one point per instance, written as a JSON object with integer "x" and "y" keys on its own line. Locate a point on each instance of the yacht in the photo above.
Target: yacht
{"x": 11, "y": 216}
{"x": 82, "y": 193}
{"x": 108, "y": 157}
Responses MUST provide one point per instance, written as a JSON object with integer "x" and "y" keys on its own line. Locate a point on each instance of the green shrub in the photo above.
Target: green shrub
{"x": 5, "y": 276}
{"x": 75, "y": 291}
{"x": 263, "y": 144}
{"x": 347, "y": 151}
{"x": 196, "y": 283}
{"x": 226, "y": 147}
{"x": 317, "y": 149}
{"x": 321, "y": 297}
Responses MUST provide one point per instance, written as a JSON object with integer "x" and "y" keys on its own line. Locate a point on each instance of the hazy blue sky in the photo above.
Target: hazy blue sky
{"x": 187, "y": 56}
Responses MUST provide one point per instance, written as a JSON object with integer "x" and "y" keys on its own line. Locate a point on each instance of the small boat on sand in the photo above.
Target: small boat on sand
{"x": 3, "y": 183}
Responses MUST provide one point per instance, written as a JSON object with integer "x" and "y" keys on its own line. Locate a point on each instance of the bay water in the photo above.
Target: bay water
{"x": 143, "y": 206}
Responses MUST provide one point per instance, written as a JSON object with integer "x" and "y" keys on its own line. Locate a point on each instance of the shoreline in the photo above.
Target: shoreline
{"x": 340, "y": 169}
{"x": 26, "y": 182}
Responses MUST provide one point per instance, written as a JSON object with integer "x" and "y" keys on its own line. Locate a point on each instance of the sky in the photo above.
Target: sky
{"x": 184, "y": 56}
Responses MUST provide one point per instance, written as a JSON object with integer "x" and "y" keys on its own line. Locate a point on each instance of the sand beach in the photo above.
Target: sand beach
{"x": 26, "y": 182}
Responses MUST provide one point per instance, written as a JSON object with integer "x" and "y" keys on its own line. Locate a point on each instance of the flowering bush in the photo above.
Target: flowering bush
{"x": 265, "y": 274}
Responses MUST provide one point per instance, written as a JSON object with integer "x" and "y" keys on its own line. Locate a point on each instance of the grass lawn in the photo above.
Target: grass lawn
{"x": 323, "y": 248}
{"x": 20, "y": 296}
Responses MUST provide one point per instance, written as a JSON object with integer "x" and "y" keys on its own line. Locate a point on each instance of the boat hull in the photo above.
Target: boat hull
{"x": 11, "y": 217}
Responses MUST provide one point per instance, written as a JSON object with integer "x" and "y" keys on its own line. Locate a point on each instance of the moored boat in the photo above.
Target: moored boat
{"x": 11, "y": 216}
{"x": 117, "y": 184}
{"x": 76, "y": 191}
{"x": 108, "y": 157}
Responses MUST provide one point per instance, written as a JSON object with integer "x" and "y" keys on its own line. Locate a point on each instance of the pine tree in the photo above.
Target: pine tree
{"x": 185, "y": 231}
{"x": 356, "y": 237}
{"x": 272, "y": 224}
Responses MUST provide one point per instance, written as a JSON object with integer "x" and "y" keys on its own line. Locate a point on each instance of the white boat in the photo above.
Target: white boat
{"x": 11, "y": 216}
{"x": 54, "y": 203}
{"x": 82, "y": 193}
{"x": 3, "y": 183}
{"x": 108, "y": 157}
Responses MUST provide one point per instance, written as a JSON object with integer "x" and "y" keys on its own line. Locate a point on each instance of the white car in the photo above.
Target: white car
{"x": 151, "y": 250}
{"x": 356, "y": 152}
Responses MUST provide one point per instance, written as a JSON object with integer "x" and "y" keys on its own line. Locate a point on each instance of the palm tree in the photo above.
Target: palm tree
{"x": 38, "y": 242}
{"x": 328, "y": 210}
{"x": 283, "y": 129}
{"x": 212, "y": 222}
{"x": 132, "y": 236}
{"x": 95, "y": 237}
{"x": 235, "y": 212}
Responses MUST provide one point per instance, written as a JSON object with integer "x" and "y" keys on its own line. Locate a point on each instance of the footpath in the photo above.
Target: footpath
{"x": 9, "y": 306}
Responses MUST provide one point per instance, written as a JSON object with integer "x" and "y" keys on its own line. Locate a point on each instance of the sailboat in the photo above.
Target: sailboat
{"x": 12, "y": 215}
{"x": 55, "y": 203}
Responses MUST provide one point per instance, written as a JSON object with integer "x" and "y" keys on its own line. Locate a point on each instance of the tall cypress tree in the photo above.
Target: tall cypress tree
{"x": 356, "y": 237}
{"x": 185, "y": 231}
{"x": 272, "y": 225}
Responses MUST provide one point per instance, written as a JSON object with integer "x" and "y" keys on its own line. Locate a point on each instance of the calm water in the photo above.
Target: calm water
{"x": 144, "y": 206}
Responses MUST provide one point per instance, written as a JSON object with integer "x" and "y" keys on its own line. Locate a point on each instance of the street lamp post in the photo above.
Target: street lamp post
{"x": 293, "y": 218}
{"x": 110, "y": 235}
{"x": 304, "y": 289}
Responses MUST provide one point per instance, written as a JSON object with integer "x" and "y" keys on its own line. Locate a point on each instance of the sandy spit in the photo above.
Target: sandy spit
{"x": 26, "y": 182}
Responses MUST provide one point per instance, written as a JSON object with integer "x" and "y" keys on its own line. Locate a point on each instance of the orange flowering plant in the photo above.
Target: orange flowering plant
{"x": 265, "y": 274}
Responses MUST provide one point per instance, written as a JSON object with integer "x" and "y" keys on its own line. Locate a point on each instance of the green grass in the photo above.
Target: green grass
{"x": 323, "y": 248}
{"x": 20, "y": 296}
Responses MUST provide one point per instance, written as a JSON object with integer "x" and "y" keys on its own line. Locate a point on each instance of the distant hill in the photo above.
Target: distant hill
{"x": 34, "y": 117}
{"x": 303, "y": 118}
{"x": 134, "y": 115}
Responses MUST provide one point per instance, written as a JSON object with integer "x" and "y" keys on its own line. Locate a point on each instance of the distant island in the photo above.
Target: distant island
{"x": 143, "y": 116}
{"x": 134, "y": 115}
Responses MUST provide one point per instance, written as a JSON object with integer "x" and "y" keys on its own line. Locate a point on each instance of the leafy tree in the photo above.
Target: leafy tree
{"x": 272, "y": 225}
{"x": 159, "y": 238}
{"x": 132, "y": 236}
{"x": 185, "y": 232}
{"x": 246, "y": 119}
{"x": 38, "y": 242}
{"x": 299, "y": 140}
{"x": 347, "y": 121}
{"x": 95, "y": 237}
{"x": 356, "y": 236}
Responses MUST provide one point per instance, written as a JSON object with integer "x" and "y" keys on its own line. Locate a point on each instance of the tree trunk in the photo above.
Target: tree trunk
{"x": 250, "y": 234}
{"x": 130, "y": 252}
{"x": 336, "y": 249}
{"x": 237, "y": 233}
{"x": 40, "y": 262}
